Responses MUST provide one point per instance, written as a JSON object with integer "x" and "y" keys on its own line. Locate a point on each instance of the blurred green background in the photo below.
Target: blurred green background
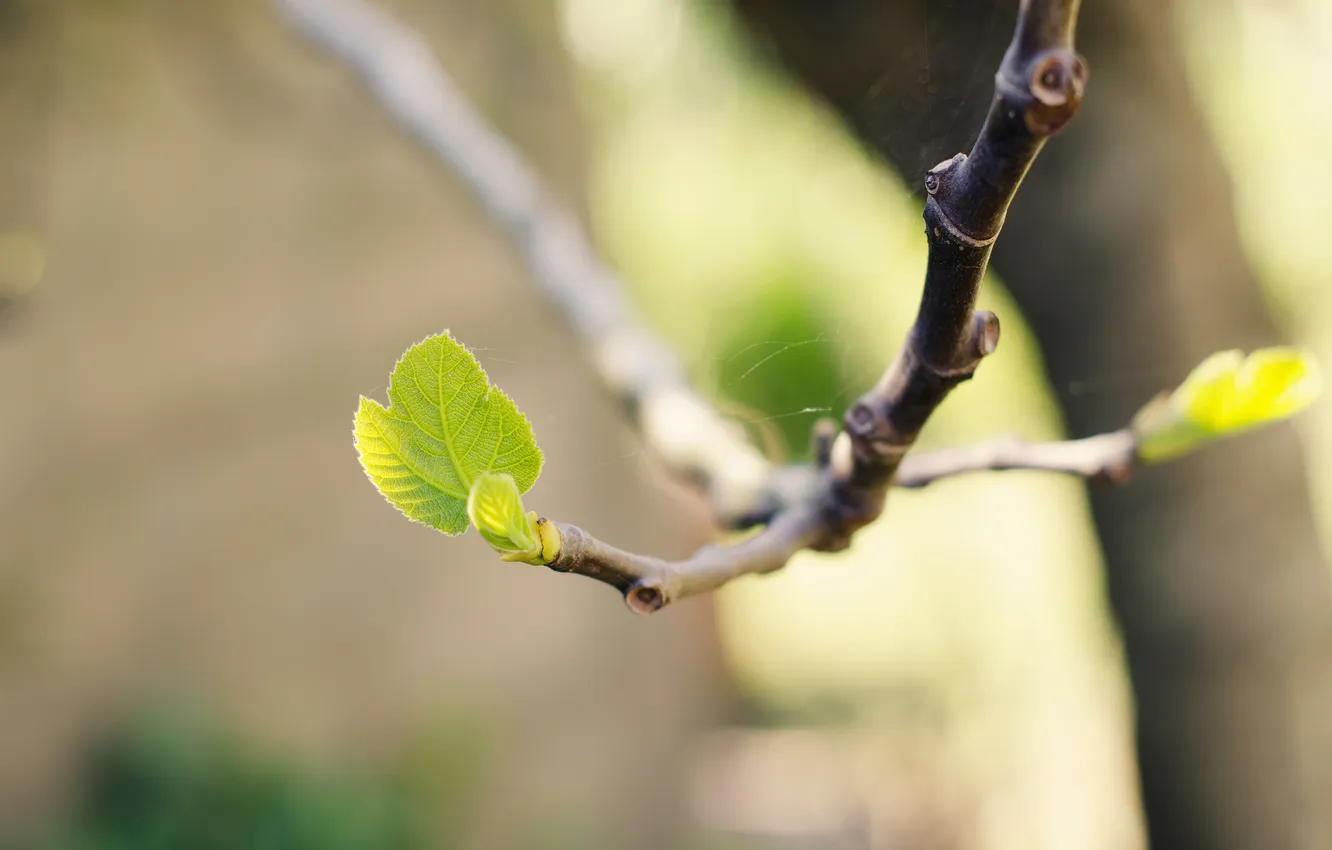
{"x": 214, "y": 634}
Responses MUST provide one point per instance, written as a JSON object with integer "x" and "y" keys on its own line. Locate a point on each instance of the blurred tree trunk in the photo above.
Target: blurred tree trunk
{"x": 1123, "y": 253}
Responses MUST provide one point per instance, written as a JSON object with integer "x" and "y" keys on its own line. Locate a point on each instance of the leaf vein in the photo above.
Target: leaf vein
{"x": 429, "y": 479}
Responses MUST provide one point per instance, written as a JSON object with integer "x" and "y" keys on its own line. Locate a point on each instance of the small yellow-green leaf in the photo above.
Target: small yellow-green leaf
{"x": 496, "y": 509}
{"x": 444, "y": 427}
{"x": 1226, "y": 394}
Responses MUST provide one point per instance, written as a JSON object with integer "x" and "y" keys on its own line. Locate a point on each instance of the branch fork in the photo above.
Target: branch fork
{"x": 1038, "y": 89}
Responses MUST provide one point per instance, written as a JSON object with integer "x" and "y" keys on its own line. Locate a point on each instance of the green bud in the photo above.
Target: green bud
{"x": 1227, "y": 394}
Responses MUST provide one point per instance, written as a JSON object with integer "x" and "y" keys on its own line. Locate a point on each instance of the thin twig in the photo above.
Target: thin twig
{"x": 648, "y": 583}
{"x": 402, "y": 73}
{"x": 1108, "y": 458}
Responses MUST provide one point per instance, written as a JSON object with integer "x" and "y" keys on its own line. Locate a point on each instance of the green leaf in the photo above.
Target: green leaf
{"x": 445, "y": 427}
{"x": 1226, "y": 394}
{"x": 496, "y": 509}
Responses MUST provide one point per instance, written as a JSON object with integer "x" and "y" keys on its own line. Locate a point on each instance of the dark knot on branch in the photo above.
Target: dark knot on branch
{"x": 645, "y": 597}
{"x": 1057, "y": 80}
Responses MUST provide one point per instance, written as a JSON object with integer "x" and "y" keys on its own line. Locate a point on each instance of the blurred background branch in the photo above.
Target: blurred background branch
{"x": 402, "y": 73}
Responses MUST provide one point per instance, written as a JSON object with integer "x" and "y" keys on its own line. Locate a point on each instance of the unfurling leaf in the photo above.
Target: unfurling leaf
{"x": 444, "y": 428}
{"x": 1226, "y": 394}
{"x": 496, "y": 509}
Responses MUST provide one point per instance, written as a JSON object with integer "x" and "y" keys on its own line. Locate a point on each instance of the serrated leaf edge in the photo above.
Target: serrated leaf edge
{"x": 491, "y": 388}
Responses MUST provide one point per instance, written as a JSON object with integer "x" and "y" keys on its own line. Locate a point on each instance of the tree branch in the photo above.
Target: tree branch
{"x": 648, "y": 583}
{"x": 399, "y": 69}
{"x": 1038, "y": 89}
{"x": 1106, "y": 458}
